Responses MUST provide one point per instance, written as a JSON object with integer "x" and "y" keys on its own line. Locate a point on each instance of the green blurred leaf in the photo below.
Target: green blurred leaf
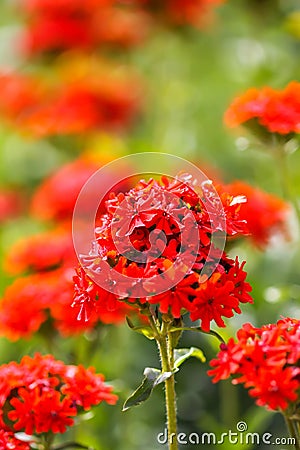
{"x": 145, "y": 331}
{"x": 182, "y": 354}
{"x": 152, "y": 377}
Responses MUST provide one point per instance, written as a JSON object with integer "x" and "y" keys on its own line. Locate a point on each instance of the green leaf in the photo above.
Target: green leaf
{"x": 182, "y": 354}
{"x": 152, "y": 377}
{"x": 145, "y": 331}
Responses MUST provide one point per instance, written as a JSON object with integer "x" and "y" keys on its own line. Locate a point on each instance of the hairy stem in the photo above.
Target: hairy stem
{"x": 292, "y": 427}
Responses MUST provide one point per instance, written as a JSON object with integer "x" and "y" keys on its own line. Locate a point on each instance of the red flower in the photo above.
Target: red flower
{"x": 264, "y": 213}
{"x": 10, "y": 205}
{"x": 142, "y": 239}
{"x": 55, "y": 198}
{"x": 276, "y": 388}
{"x": 67, "y": 25}
{"x": 213, "y": 301}
{"x": 277, "y": 111}
{"x": 178, "y": 298}
{"x": 39, "y": 411}
{"x": 266, "y": 360}
{"x": 86, "y": 389}
{"x": 42, "y": 395}
{"x": 40, "y": 252}
{"x": 191, "y": 12}
{"x": 83, "y": 101}
{"x": 49, "y": 295}
{"x": 18, "y": 94}
{"x": 8, "y": 441}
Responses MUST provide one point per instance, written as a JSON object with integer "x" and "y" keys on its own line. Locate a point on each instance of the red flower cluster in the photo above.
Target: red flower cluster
{"x": 68, "y": 24}
{"x": 82, "y": 104}
{"x": 266, "y": 360}
{"x": 10, "y": 204}
{"x": 47, "y": 292}
{"x": 276, "y": 110}
{"x": 42, "y": 395}
{"x": 161, "y": 212}
{"x": 8, "y": 441}
{"x": 264, "y": 213}
{"x": 73, "y": 24}
{"x": 192, "y": 12}
{"x": 55, "y": 198}
{"x": 41, "y": 252}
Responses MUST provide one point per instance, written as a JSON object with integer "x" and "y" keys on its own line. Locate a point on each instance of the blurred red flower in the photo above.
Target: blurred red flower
{"x": 78, "y": 104}
{"x": 191, "y": 12}
{"x": 278, "y": 111}
{"x": 10, "y": 204}
{"x": 65, "y": 25}
{"x": 47, "y": 297}
{"x": 41, "y": 252}
{"x": 19, "y": 93}
{"x": 42, "y": 395}
{"x": 264, "y": 213}
{"x": 55, "y": 198}
{"x": 266, "y": 360}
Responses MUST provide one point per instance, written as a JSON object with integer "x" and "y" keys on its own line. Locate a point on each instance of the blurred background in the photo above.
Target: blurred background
{"x": 96, "y": 81}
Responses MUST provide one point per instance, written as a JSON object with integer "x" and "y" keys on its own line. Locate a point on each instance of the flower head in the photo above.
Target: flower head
{"x": 277, "y": 111}
{"x": 8, "y": 441}
{"x": 265, "y": 214}
{"x": 153, "y": 243}
{"x": 265, "y": 360}
{"x": 42, "y": 395}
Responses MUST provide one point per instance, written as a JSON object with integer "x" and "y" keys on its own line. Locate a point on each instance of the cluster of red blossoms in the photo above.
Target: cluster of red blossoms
{"x": 83, "y": 103}
{"x": 266, "y": 360}
{"x": 44, "y": 264}
{"x": 8, "y": 441}
{"x": 43, "y": 395}
{"x": 10, "y": 204}
{"x": 265, "y": 214}
{"x": 276, "y": 110}
{"x": 166, "y": 209}
{"x": 69, "y": 24}
{"x": 73, "y": 24}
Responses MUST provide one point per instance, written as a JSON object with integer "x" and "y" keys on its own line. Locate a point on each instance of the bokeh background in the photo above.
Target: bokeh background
{"x": 180, "y": 78}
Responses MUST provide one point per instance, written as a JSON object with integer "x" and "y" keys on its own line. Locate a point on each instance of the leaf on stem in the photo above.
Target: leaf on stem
{"x": 152, "y": 377}
{"x": 182, "y": 354}
{"x": 145, "y": 331}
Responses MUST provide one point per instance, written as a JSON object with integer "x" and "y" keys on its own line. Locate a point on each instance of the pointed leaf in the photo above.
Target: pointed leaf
{"x": 146, "y": 331}
{"x": 182, "y": 354}
{"x": 152, "y": 377}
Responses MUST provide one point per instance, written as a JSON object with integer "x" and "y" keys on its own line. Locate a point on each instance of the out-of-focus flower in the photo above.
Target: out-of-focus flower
{"x": 76, "y": 25}
{"x": 148, "y": 208}
{"x": 277, "y": 111}
{"x": 266, "y": 360}
{"x": 55, "y": 198}
{"x": 264, "y": 213}
{"x": 8, "y": 441}
{"x": 77, "y": 104}
{"x": 190, "y": 12}
{"x": 48, "y": 296}
{"x": 19, "y": 93}
{"x": 10, "y": 204}
{"x": 42, "y": 395}
{"x": 41, "y": 252}
{"x": 83, "y": 106}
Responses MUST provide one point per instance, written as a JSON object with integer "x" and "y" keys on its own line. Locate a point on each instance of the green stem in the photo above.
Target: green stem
{"x": 282, "y": 164}
{"x": 199, "y": 330}
{"x": 292, "y": 427}
{"x": 166, "y": 350}
{"x": 170, "y": 396}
